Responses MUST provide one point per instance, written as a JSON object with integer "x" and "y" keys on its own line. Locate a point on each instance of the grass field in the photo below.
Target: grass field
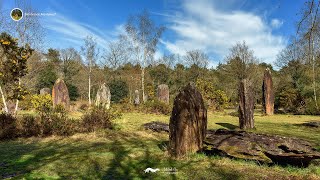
{"x": 125, "y": 153}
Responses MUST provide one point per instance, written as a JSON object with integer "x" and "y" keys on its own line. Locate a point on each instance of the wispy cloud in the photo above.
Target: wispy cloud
{"x": 75, "y": 31}
{"x": 203, "y": 26}
{"x": 276, "y": 23}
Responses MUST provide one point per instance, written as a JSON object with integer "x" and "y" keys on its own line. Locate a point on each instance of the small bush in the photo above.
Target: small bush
{"x": 29, "y": 126}
{"x": 311, "y": 108}
{"x": 42, "y": 104}
{"x": 8, "y": 126}
{"x": 157, "y": 107}
{"x": 99, "y": 118}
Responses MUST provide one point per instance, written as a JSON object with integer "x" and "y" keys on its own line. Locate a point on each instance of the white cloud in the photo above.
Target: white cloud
{"x": 74, "y": 32}
{"x": 276, "y": 23}
{"x": 203, "y": 26}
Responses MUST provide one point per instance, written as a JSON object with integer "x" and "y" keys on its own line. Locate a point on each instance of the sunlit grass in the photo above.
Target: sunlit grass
{"x": 126, "y": 152}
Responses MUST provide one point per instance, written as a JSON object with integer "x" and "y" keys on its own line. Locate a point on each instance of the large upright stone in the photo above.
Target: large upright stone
{"x": 103, "y": 97}
{"x": 188, "y": 122}
{"x": 45, "y": 91}
{"x": 267, "y": 93}
{"x": 246, "y": 105}
{"x": 136, "y": 97}
{"x": 163, "y": 93}
{"x": 60, "y": 94}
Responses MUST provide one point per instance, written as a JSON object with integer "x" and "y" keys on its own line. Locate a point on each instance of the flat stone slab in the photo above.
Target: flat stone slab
{"x": 315, "y": 124}
{"x": 270, "y": 149}
{"x": 157, "y": 126}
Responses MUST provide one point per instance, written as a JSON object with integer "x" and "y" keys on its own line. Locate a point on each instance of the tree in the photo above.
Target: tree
{"x": 28, "y": 30}
{"x": 142, "y": 35}
{"x": 46, "y": 77}
{"x": 169, "y": 60}
{"x": 308, "y": 30}
{"x": 116, "y": 55}
{"x": 119, "y": 90}
{"x": 196, "y": 57}
{"x": 70, "y": 63}
{"x": 13, "y": 66}
{"x": 90, "y": 51}
{"x": 243, "y": 67}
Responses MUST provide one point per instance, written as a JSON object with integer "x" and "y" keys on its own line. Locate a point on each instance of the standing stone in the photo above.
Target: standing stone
{"x": 163, "y": 93}
{"x": 136, "y": 97}
{"x": 103, "y": 97}
{"x": 60, "y": 94}
{"x": 188, "y": 122}
{"x": 267, "y": 93}
{"x": 45, "y": 91}
{"x": 246, "y": 105}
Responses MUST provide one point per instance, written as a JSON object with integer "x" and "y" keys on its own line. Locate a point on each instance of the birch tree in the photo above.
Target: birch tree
{"x": 142, "y": 36}
{"x": 90, "y": 51}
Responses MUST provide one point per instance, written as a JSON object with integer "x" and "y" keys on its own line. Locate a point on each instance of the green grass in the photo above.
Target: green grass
{"x": 125, "y": 153}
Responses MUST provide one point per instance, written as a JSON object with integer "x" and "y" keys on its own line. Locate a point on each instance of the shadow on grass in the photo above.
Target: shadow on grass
{"x": 228, "y": 126}
{"x": 126, "y": 157}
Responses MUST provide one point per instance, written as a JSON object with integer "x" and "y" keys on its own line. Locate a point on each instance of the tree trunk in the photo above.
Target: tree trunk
{"x": 246, "y": 105}
{"x": 4, "y": 101}
{"x": 17, "y": 102}
{"x": 314, "y": 75}
{"x": 89, "y": 92}
{"x": 144, "y": 99}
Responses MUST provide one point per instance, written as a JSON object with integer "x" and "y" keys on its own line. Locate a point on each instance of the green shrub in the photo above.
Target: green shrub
{"x": 119, "y": 90}
{"x": 73, "y": 92}
{"x": 99, "y": 118}
{"x": 8, "y": 126}
{"x": 42, "y": 104}
{"x": 157, "y": 107}
{"x": 311, "y": 107}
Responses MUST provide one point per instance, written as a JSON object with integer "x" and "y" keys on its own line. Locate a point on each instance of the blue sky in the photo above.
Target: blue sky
{"x": 210, "y": 25}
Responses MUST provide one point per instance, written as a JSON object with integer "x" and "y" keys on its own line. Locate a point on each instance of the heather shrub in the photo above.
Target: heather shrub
{"x": 8, "y": 126}
{"x": 99, "y": 118}
{"x": 157, "y": 107}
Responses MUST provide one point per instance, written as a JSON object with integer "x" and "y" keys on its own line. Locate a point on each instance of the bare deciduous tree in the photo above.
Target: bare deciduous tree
{"x": 116, "y": 54}
{"x": 197, "y": 57}
{"x": 142, "y": 35}
{"x": 308, "y": 30}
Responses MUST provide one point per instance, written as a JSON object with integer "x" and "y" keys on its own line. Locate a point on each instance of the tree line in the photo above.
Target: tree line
{"x": 128, "y": 64}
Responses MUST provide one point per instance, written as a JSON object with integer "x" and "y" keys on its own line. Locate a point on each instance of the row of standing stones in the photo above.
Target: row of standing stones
{"x": 188, "y": 125}
{"x": 188, "y": 130}
{"x": 60, "y": 95}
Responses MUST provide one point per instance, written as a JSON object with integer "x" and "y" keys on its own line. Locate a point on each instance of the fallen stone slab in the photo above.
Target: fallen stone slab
{"x": 315, "y": 124}
{"x": 270, "y": 149}
{"x": 157, "y": 126}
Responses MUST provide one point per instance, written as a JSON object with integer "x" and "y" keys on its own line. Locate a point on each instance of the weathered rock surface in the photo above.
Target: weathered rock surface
{"x": 103, "y": 97}
{"x": 136, "y": 97}
{"x": 251, "y": 146}
{"x": 267, "y": 93}
{"x": 163, "y": 93}
{"x": 157, "y": 126}
{"x": 60, "y": 94}
{"x": 246, "y": 105}
{"x": 45, "y": 91}
{"x": 188, "y": 122}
